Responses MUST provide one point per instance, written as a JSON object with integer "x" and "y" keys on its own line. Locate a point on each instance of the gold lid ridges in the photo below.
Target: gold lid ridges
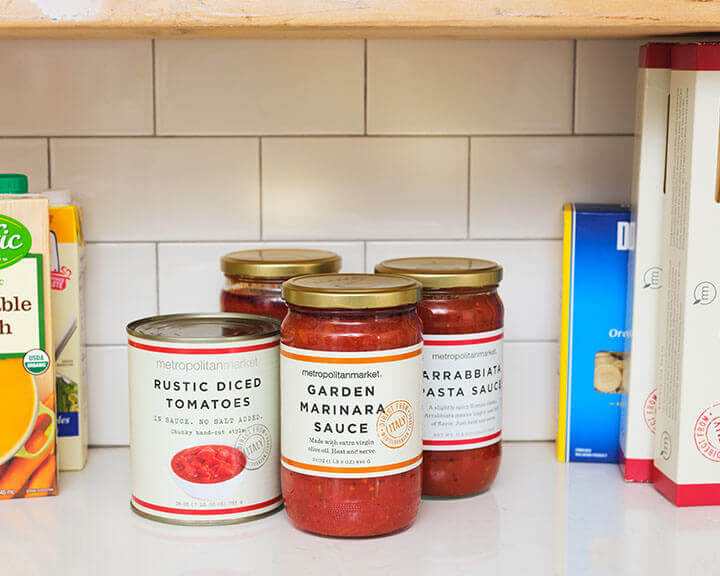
{"x": 352, "y": 291}
{"x": 445, "y": 272}
{"x": 280, "y": 263}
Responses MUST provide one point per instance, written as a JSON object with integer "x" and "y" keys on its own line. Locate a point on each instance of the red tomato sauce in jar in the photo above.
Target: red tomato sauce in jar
{"x": 462, "y": 317}
{"x": 253, "y": 278}
{"x": 351, "y": 366}
{"x": 208, "y": 464}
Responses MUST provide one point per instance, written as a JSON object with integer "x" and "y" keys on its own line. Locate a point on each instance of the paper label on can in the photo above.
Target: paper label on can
{"x": 462, "y": 390}
{"x": 351, "y": 414}
{"x": 204, "y": 429}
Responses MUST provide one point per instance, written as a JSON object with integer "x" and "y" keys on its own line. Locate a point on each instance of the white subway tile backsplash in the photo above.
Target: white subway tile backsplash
{"x": 259, "y": 86}
{"x": 530, "y": 390}
{"x": 519, "y": 184}
{"x": 26, "y": 156}
{"x": 120, "y": 286}
{"x": 469, "y": 87}
{"x": 531, "y": 283}
{"x": 354, "y": 188}
{"x": 162, "y": 188}
{"x": 161, "y": 211}
{"x": 190, "y": 279}
{"x": 73, "y": 88}
{"x": 605, "y": 77}
{"x": 107, "y": 383}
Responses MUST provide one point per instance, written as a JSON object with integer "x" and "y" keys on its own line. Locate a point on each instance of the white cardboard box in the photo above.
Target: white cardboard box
{"x": 637, "y": 419}
{"x": 687, "y": 448}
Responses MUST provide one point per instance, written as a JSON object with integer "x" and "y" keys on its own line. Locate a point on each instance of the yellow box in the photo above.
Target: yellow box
{"x": 66, "y": 271}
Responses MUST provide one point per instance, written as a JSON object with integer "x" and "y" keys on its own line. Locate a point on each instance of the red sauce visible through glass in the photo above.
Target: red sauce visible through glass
{"x": 257, "y": 296}
{"x": 208, "y": 464}
{"x": 357, "y": 507}
{"x": 460, "y": 311}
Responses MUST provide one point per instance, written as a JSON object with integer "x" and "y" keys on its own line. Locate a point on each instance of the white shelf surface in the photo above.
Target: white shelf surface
{"x": 540, "y": 517}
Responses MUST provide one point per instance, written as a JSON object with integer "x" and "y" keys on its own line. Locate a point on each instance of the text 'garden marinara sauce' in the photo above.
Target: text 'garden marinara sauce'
{"x": 462, "y": 317}
{"x": 204, "y": 417}
{"x": 351, "y": 365}
{"x": 253, "y": 278}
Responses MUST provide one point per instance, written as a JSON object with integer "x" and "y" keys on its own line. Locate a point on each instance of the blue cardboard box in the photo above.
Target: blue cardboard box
{"x": 596, "y": 241}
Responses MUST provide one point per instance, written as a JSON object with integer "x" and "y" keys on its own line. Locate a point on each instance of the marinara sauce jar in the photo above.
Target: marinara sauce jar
{"x": 462, "y": 317}
{"x": 253, "y": 278}
{"x": 351, "y": 373}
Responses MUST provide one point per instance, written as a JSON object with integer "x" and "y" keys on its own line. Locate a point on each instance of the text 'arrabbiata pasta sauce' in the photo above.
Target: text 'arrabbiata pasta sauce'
{"x": 253, "y": 278}
{"x": 462, "y": 318}
{"x": 351, "y": 372}
{"x": 204, "y": 417}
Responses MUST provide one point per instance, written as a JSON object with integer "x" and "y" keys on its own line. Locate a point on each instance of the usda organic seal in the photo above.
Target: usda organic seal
{"x": 36, "y": 362}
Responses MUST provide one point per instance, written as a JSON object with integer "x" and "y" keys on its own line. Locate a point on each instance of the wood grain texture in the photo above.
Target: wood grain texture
{"x": 356, "y": 18}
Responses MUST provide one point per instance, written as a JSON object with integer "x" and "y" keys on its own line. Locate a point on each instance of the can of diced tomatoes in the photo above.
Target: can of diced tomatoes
{"x": 204, "y": 417}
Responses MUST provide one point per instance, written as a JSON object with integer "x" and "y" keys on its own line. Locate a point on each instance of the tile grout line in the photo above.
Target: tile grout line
{"x": 574, "y": 88}
{"x": 154, "y": 90}
{"x": 365, "y": 87}
{"x": 365, "y": 262}
{"x": 49, "y": 164}
{"x": 469, "y": 174}
{"x": 349, "y": 135}
{"x": 157, "y": 277}
{"x": 329, "y": 240}
{"x": 260, "y": 186}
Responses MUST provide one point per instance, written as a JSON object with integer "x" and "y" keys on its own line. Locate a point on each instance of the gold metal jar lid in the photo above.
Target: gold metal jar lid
{"x": 445, "y": 272}
{"x": 354, "y": 291}
{"x": 279, "y": 262}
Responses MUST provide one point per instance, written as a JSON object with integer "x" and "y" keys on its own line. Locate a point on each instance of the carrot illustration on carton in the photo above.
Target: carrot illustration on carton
{"x": 27, "y": 381}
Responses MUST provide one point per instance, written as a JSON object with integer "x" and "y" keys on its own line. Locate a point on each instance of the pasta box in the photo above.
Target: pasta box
{"x": 595, "y": 256}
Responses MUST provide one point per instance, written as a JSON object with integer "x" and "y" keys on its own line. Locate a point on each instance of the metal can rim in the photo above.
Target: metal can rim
{"x": 133, "y": 328}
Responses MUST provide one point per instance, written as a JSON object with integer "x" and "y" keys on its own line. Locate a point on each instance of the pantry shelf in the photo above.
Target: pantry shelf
{"x": 541, "y": 517}
{"x": 357, "y": 18}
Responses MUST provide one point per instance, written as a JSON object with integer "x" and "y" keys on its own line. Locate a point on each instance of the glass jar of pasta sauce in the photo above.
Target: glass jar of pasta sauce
{"x": 253, "y": 278}
{"x": 462, "y": 317}
{"x": 351, "y": 373}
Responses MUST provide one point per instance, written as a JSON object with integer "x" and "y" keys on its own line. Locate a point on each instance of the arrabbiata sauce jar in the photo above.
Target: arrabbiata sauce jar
{"x": 462, "y": 317}
{"x": 351, "y": 365}
{"x": 253, "y": 278}
{"x": 204, "y": 417}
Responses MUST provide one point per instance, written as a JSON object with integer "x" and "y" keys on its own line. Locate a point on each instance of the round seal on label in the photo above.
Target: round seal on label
{"x": 255, "y": 442}
{"x": 396, "y": 423}
{"x": 649, "y": 410}
{"x": 707, "y": 433}
{"x": 36, "y": 362}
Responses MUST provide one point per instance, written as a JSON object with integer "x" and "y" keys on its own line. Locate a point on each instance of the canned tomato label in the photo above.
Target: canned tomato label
{"x": 204, "y": 417}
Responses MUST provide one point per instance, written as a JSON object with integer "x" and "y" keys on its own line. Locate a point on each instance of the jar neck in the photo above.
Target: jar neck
{"x": 248, "y": 282}
{"x": 347, "y": 313}
{"x": 459, "y": 292}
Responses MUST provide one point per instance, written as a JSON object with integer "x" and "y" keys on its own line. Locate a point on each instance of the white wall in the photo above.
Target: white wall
{"x": 182, "y": 150}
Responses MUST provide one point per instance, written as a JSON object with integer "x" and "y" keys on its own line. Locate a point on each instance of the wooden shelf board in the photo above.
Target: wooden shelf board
{"x": 357, "y": 18}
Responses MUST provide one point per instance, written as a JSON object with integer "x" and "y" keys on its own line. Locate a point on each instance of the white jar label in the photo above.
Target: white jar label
{"x": 351, "y": 414}
{"x": 204, "y": 429}
{"x": 462, "y": 383}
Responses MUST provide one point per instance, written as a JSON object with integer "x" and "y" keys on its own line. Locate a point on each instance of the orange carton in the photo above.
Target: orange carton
{"x": 27, "y": 381}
